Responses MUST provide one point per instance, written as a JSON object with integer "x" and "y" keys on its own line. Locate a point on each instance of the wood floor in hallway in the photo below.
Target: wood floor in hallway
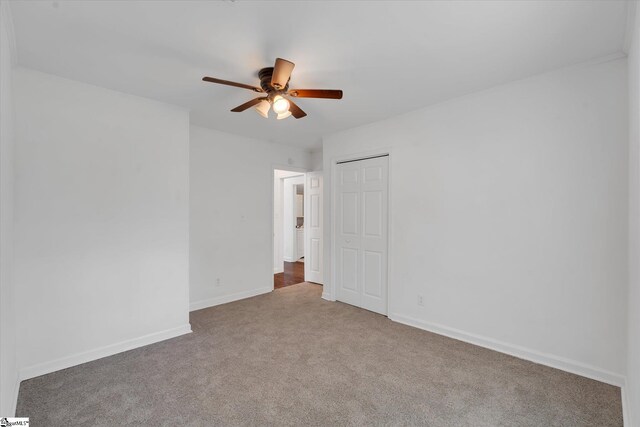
{"x": 292, "y": 275}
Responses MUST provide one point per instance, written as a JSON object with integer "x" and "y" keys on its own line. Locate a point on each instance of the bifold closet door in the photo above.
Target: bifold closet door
{"x": 361, "y": 233}
{"x": 313, "y": 255}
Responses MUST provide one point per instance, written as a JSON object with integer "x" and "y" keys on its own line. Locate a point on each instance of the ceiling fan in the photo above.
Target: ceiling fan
{"x": 274, "y": 83}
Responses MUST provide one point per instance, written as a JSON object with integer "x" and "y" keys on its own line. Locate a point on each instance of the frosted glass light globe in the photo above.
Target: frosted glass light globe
{"x": 280, "y": 105}
{"x": 284, "y": 115}
{"x": 263, "y": 109}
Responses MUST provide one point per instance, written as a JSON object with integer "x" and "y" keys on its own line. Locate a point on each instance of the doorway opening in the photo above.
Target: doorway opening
{"x": 288, "y": 228}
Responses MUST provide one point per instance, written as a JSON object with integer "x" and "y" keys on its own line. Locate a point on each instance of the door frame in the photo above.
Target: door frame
{"x": 294, "y": 201}
{"x": 274, "y": 167}
{"x": 330, "y": 292}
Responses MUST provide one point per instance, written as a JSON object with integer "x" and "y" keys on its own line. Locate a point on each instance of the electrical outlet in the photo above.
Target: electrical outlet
{"x": 420, "y": 300}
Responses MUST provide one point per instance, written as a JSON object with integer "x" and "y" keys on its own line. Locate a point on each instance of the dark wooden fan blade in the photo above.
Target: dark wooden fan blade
{"x": 281, "y": 73}
{"x": 295, "y": 110}
{"x": 316, "y": 93}
{"x": 248, "y": 104}
{"x": 228, "y": 83}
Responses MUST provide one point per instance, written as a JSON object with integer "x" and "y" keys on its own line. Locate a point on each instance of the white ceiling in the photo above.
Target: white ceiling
{"x": 388, "y": 57}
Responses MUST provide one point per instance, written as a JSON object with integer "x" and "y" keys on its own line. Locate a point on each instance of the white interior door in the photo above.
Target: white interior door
{"x": 361, "y": 233}
{"x": 313, "y": 228}
{"x": 290, "y": 233}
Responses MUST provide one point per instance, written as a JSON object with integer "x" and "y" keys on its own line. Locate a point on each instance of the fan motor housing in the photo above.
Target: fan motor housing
{"x": 265, "y": 81}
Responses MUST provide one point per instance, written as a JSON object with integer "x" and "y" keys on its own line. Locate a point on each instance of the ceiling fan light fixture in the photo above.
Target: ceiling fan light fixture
{"x": 274, "y": 87}
{"x": 284, "y": 115}
{"x": 280, "y": 105}
{"x": 263, "y": 109}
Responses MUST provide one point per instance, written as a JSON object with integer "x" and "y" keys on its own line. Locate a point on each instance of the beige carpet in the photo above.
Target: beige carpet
{"x": 291, "y": 358}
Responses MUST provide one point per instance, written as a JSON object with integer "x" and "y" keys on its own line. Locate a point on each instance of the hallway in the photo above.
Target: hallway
{"x": 292, "y": 275}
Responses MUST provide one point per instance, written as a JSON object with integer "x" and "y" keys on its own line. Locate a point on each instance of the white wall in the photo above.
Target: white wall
{"x": 316, "y": 160}
{"x": 8, "y": 319}
{"x": 509, "y": 215}
{"x": 101, "y": 217}
{"x": 231, "y": 214}
{"x": 633, "y": 358}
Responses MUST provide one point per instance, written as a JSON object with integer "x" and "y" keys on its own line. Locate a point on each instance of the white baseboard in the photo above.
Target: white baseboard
{"x": 327, "y": 296}
{"x": 14, "y": 397}
{"x": 277, "y": 270}
{"x": 109, "y": 350}
{"x": 626, "y": 415}
{"x": 211, "y": 302}
{"x": 287, "y": 259}
{"x": 557, "y": 362}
